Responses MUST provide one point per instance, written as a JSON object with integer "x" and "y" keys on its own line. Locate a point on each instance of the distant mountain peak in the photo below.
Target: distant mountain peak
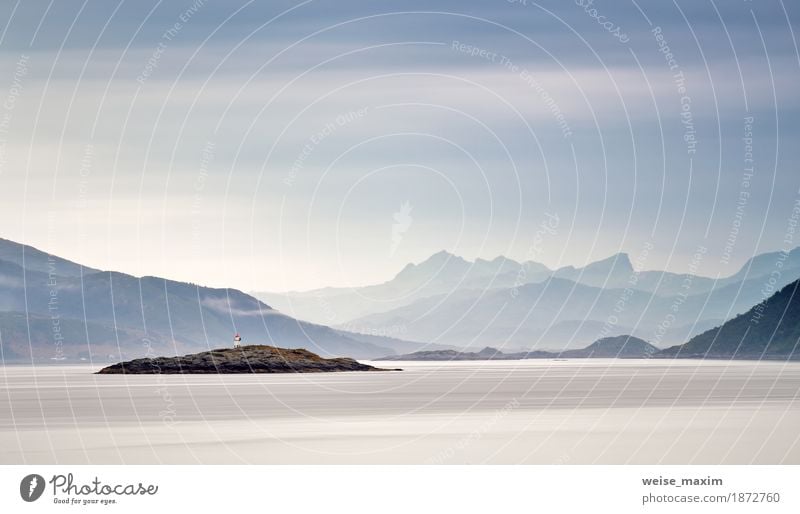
{"x": 618, "y": 264}
{"x": 764, "y": 263}
{"x": 442, "y": 255}
{"x": 441, "y": 259}
{"x": 434, "y": 264}
{"x": 497, "y": 260}
{"x": 618, "y": 261}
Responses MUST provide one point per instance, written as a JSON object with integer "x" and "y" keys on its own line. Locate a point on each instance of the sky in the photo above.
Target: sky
{"x": 292, "y": 145}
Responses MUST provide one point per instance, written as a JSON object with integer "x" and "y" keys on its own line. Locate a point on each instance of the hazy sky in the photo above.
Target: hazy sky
{"x": 283, "y": 145}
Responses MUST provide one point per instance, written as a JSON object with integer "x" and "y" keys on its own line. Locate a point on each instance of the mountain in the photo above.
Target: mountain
{"x": 36, "y": 260}
{"x": 19, "y": 333}
{"x": 561, "y": 314}
{"x": 52, "y": 308}
{"x": 769, "y": 329}
{"x": 766, "y": 263}
{"x": 555, "y": 314}
{"x": 610, "y": 272}
{"x": 756, "y": 270}
{"x": 616, "y": 272}
{"x": 448, "y": 275}
{"x": 60, "y": 309}
{"x": 620, "y": 347}
{"x": 624, "y": 346}
{"x": 441, "y": 273}
{"x": 454, "y": 355}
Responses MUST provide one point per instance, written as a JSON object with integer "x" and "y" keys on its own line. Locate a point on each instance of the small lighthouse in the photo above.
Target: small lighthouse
{"x": 237, "y": 341}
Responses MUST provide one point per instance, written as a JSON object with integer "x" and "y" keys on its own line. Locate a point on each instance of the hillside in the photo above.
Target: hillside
{"x": 623, "y": 346}
{"x": 770, "y": 329}
{"x": 90, "y": 314}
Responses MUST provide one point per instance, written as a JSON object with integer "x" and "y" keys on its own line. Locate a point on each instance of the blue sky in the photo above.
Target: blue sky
{"x": 274, "y": 146}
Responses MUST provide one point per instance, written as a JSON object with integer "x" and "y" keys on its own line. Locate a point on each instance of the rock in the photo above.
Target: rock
{"x": 246, "y": 359}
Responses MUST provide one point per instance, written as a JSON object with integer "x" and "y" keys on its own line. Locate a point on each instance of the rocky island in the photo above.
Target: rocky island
{"x": 245, "y": 359}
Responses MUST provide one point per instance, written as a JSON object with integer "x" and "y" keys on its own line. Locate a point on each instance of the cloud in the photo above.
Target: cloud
{"x": 223, "y": 305}
{"x": 491, "y": 140}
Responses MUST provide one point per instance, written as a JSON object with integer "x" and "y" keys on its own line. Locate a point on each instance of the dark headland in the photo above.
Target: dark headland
{"x": 247, "y": 359}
